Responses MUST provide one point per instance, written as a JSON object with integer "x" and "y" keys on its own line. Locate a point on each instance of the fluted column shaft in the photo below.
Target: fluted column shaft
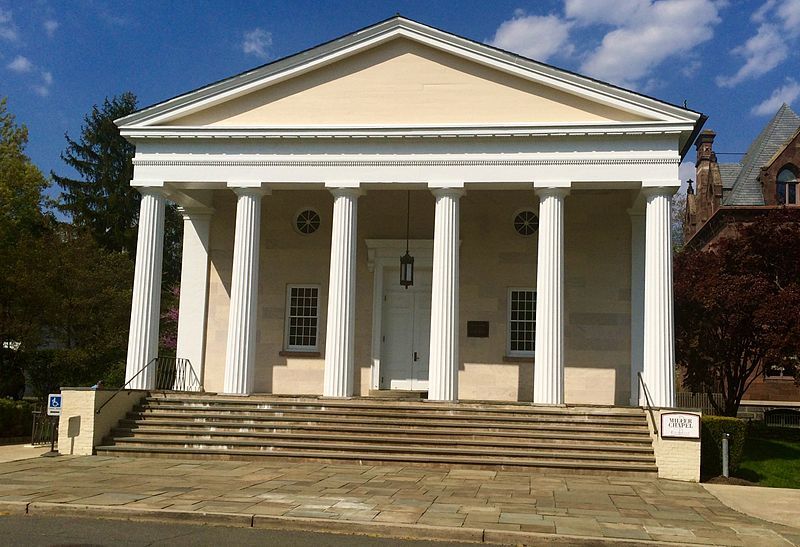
{"x": 340, "y": 334}
{"x": 242, "y": 327}
{"x": 443, "y": 379}
{"x": 194, "y": 288}
{"x": 146, "y": 302}
{"x": 548, "y": 370}
{"x": 659, "y": 332}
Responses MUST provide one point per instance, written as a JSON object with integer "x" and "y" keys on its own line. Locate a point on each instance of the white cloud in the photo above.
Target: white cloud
{"x": 787, "y": 93}
{"x": 50, "y": 27}
{"x": 20, "y": 64}
{"x": 257, "y": 42}
{"x": 762, "y": 52}
{"x": 638, "y": 35}
{"x": 775, "y": 39}
{"x": 536, "y": 36}
{"x": 47, "y": 77}
{"x": 646, "y": 34}
{"x": 8, "y": 30}
{"x": 609, "y": 12}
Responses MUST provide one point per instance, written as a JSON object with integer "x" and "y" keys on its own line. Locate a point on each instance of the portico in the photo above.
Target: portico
{"x": 293, "y": 180}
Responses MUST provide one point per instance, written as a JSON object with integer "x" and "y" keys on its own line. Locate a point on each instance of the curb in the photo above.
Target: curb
{"x": 374, "y": 529}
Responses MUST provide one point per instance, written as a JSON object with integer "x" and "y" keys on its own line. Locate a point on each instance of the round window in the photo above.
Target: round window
{"x": 526, "y": 223}
{"x": 307, "y": 221}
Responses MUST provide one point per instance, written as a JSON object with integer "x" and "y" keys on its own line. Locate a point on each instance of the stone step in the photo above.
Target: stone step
{"x": 452, "y": 461}
{"x": 404, "y": 441}
{"x": 639, "y": 427}
{"x": 556, "y": 435}
{"x": 351, "y": 414}
{"x": 473, "y": 453}
{"x": 392, "y": 405}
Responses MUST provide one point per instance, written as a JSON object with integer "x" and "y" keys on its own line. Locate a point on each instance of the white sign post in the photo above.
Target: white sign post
{"x": 680, "y": 425}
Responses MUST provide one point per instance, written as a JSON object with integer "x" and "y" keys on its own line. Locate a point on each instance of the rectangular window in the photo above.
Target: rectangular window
{"x": 302, "y": 317}
{"x": 791, "y": 197}
{"x": 521, "y": 322}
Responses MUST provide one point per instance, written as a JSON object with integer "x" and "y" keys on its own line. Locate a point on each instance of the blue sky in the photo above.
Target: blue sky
{"x": 735, "y": 61}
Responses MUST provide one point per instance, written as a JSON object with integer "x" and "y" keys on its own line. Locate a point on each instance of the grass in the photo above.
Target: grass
{"x": 771, "y": 458}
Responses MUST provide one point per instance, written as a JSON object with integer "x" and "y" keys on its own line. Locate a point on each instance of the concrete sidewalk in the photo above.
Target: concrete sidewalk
{"x": 467, "y": 505}
{"x": 778, "y": 505}
{"x": 13, "y": 452}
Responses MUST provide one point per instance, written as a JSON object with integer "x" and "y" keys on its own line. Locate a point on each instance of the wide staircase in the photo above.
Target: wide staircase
{"x": 574, "y": 439}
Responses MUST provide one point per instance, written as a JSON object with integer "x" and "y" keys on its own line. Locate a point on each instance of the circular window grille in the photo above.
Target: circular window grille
{"x": 307, "y": 221}
{"x": 526, "y": 223}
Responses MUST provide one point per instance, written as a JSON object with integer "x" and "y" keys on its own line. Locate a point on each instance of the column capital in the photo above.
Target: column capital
{"x": 155, "y": 191}
{"x": 659, "y": 188}
{"x": 147, "y": 183}
{"x": 252, "y": 191}
{"x": 453, "y": 192}
{"x": 551, "y": 191}
{"x": 351, "y": 191}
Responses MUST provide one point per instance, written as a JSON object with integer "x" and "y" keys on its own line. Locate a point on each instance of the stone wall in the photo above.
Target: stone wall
{"x": 677, "y": 459}
{"x": 80, "y": 427}
{"x": 493, "y": 258}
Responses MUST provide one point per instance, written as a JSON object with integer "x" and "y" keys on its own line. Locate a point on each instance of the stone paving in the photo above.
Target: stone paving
{"x": 587, "y": 506}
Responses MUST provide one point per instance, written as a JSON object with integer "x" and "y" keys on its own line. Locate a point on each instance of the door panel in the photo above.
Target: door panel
{"x": 406, "y": 332}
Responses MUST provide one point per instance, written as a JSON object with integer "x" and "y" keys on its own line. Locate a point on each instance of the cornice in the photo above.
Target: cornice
{"x": 399, "y": 162}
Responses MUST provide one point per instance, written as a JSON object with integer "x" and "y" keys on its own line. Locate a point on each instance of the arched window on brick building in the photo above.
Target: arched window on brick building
{"x": 786, "y": 187}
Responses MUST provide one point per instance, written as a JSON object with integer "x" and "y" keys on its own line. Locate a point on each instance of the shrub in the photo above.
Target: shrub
{"x": 712, "y": 429}
{"x": 15, "y": 418}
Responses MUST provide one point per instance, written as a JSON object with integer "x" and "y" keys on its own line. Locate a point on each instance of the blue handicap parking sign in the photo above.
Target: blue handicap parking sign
{"x": 54, "y": 404}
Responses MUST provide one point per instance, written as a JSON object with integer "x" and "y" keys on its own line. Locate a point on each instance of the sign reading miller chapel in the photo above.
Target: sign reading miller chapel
{"x": 681, "y": 425}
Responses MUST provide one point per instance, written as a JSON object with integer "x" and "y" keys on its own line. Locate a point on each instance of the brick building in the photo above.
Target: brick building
{"x": 726, "y": 194}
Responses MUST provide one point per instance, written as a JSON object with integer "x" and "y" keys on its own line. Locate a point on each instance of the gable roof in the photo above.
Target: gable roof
{"x": 746, "y": 188}
{"x": 281, "y": 70}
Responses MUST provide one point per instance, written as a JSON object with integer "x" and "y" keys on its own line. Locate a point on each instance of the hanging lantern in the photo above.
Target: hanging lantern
{"x": 407, "y": 261}
{"x": 406, "y": 270}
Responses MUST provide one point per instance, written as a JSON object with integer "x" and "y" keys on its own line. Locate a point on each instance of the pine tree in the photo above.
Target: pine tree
{"x": 101, "y": 200}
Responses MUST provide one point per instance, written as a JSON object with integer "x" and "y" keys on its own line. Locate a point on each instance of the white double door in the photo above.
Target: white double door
{"x": 406, "y": 331}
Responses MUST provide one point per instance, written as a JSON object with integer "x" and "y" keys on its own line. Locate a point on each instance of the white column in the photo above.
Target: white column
{"x": 443, "y": 375}
{"x": 659, "y": 337}
{"x": 194, "y": 288}
{"x": 548, "y": 368}
{"x": 242, "y": 322}
{"x": 146, "y": 302}
{"x": 340, "y": 335}
{"x": 637, "y": 303}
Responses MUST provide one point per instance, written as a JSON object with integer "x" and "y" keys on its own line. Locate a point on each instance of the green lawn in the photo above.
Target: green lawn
{"x": 772, "y": 458}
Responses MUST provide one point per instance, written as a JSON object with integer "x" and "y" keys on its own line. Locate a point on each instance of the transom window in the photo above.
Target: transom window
{"x": 302, "y": 317}
{"x": 786, "y": 187}
{"x": 521, "y": 322}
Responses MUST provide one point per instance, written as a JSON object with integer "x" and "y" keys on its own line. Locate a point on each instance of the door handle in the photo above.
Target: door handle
{"x": 416, "y": 357}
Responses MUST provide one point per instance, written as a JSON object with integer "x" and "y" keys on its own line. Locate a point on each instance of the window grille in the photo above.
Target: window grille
{"x": 521, "y": 322}
{"x": 302, "y": 317}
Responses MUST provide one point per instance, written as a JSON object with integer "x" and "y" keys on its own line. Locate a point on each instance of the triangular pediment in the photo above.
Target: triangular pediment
{"x": 400, "y": 73}
{"x": 403, "y": 82}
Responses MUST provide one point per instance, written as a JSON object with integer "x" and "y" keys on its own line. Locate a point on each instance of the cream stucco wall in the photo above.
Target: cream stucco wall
{"x": 493, "y": 258}
{"x": 403, "y": 82}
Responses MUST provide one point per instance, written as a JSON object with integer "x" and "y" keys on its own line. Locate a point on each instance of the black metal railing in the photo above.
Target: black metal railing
{"x": 44, "y": 429}
{"x": 648, "y": 402}
{"x": 170, "y": 374}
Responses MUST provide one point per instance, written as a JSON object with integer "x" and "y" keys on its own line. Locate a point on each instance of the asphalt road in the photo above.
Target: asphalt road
{"x": 74, "y": 532}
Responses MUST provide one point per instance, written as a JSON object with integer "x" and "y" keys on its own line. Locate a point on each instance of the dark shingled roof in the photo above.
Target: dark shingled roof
{"x": 746, "y": 189}
{"x": 729, "y": 172}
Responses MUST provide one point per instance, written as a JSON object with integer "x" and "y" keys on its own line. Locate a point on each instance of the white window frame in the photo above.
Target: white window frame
{"x": 288, "y": 317}
{"x": 509, "y": 351}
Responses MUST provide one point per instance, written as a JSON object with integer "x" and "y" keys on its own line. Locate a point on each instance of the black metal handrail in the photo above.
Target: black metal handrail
{"x": 172, "y": 374}
{"x": 648, "y": 401}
